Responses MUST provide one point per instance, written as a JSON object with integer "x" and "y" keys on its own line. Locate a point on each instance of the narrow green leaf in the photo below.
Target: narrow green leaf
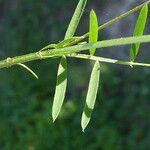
{"x": 60, "y": 88}
{"x": 28, "y": 69}
{"x": 91, "y": 95}
{"x": 138, "y": 31}
{"x": 75, "y": 19}
{"x": 93, "y": 33}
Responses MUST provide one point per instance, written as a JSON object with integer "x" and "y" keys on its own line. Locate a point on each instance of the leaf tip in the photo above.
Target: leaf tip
{"x": 84, "y": 122}
{"x": 83, "y": 130}
{"x": 92, "y": 11}
{"x": 54, "y": 118}
{"x": 83, "y": 127}
{"x": 36, "y": 77}
{"x": 54, "y": 114}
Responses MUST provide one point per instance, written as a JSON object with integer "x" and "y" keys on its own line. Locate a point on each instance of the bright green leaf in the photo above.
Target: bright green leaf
{"x": 91, "y": 95}
{"x": 60, "y": 88}
{"x": 93, "y": 33}
{"x": 138, "y": 31}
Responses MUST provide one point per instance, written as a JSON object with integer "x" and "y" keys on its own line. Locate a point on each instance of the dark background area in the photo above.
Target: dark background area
{"x": 121, "y": 118}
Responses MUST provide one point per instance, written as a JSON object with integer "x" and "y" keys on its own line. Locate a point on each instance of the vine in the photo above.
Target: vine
{"x": 72, "y": 45}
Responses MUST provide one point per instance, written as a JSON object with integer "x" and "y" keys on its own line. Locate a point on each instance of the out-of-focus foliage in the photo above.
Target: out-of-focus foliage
{"x": 121, "y": 118}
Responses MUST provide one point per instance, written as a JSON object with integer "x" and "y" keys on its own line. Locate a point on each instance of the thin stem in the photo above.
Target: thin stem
{"x": 107, "y": 60}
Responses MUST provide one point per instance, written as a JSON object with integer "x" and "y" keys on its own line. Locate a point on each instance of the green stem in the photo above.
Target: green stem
{"x": 108, "y": 60}
{"x": 72, "y": 49}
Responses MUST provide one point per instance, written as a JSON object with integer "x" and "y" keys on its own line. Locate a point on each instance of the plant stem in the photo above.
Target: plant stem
{"x": 108, "y": 60}
{"x": 72, "y": 49}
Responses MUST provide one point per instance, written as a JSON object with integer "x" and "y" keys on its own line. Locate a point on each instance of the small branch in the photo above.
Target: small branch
{"x": 107, "y": 60}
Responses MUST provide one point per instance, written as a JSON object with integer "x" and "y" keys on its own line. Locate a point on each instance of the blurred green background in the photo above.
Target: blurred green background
{"x": 121, "y": 118}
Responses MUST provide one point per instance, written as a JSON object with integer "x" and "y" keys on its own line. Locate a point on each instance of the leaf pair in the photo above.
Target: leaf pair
{"x": 95, "y": 75}
{"x": 62, "y": 80}
{"x": 138, "y": 31}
